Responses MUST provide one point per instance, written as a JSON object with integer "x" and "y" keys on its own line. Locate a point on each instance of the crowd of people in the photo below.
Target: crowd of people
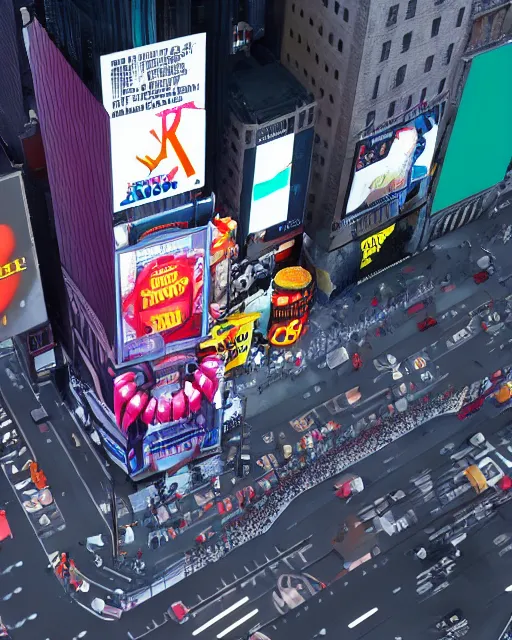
{"x": 259, "y": 517}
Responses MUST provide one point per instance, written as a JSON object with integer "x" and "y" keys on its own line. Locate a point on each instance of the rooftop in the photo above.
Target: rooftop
{"x": 260, "y": 93}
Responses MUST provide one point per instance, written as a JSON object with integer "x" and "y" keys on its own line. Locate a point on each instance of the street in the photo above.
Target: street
{"x": 244, "y": 590}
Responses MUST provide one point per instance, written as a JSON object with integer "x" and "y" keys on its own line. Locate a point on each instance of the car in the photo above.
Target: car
{"x": 348, "y": 485}
{"x": 293, "y": 590}
{"x": 426, "y": 324}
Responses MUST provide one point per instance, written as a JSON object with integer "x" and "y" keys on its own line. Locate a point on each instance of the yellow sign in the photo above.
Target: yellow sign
{"x": 233, "y": 337}
{"x": 287, "y": 335}
{"x": 373, "y": 244}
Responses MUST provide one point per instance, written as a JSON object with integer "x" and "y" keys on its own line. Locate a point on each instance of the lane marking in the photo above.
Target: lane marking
{"x": 236, "y": 624}
{"x": 220, "y": 615}
{"x": 362, "y": 618}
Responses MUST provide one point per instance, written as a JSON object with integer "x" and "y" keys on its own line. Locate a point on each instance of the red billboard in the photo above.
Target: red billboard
{"x": 162, "y": 293}
{"x": 22, "y": 305}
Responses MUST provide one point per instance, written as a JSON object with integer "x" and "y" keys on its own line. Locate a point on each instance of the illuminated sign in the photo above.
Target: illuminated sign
{"x": 162, "y": 293}
{"x": 22, "y": 305}
{"x": 391, "y": 161}
{"x": 373, "y": 245}
{"x": 292, "y": 299}
{"x": 233, "y": 338}
{"x": 155, "y": 97}
{"x": 271, "y": 186}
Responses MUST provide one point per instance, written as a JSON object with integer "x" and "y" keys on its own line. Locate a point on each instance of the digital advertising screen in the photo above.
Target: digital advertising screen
{"x": 271, "y": 186}
{"x": 22, "y": 304}
{"x": 387, "y": 246}
{"x": 163, "y": 286}
{"x": 479, "y": 149}
{"x": 393, "y": 160}
{"x": 155, "y": 97}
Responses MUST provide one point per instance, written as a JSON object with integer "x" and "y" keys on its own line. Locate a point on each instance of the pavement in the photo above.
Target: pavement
{"x": 81, "y": 477}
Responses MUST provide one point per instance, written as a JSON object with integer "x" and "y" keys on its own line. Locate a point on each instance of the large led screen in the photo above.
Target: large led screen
{"x": 162, "y": 293}
{"x": 392, "y": 161}
{"x": 155, "y": 97}
{"x": 271, "y": 187}
{"x": 21, "y": 296}
{"x": 480, "y": 144}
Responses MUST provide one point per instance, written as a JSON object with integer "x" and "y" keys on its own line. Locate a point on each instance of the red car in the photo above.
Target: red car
{"x": 427, "y": 323}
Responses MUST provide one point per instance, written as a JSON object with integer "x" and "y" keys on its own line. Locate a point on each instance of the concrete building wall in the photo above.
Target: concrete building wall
{"x": 343, "y": 79}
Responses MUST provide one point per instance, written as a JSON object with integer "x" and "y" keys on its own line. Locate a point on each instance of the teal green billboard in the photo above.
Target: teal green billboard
{"x": 480, "y": 145}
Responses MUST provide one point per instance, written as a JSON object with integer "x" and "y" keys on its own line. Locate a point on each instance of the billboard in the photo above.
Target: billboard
{"x": 271, "y": 186}
{"x": 479, "y": 150}
{"x": 393, "y": 160}
{"x": 168, "y": 412}
{"x": 162, "y": 293}
{"x": 155, "y": 97}
{"x": 387, "y": 246}
{"x": 22, "y": 303}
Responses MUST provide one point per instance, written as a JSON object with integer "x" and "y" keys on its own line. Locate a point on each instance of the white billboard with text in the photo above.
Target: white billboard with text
{"x": 155, "y": 97}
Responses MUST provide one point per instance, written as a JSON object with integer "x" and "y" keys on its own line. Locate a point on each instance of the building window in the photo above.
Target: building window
{"x": 391, "y": 109}
{"x": 460, "y": 17}
{"x": 299, "y": 39}
{"x": 329, "y": 121}
{"x": 312, "y": 198}
{"x": 293, "y": 7}
{"x": 322, "y": 161}
{"x": 305, "y": 71}
{"x": 302, "y": 13}
{"x": 411, "y": 9}
{"x": 345, "y": 15}
{"x": 406, "y": 42}
{"x": 386, "y": 49}
{"x": 248, "y": 136}
{"x": 308, "y": 48}
{"x": 296, "y": 64}
{"x": 438, "y": 2}
{"x": 428, "y": 64}
{"x": 317, "y": 138}
{"x": 311, "y": 23}
{"x": 392, "y": 15}
{"x": 291, "y": 33}
{"x": 376, "y": 88}
{"x": 326, "y": 67}
{"x": 408, "y": 104}
{"x": 317, "y": 59}
{"x": 233, "y": 148}
{"x": 288, "y": 57}
{"x": 340, "y": 45}
{"x": 326, "y": 146}
{"x": 235, "y": 131}
{"x": 311, "y": 114}
{"x": 400, "y": 75}
{"x": 322, "y": 92}
{"x": 331, "y": 99}
{"x": 336, "y": 74}
{"x": 331, "y": 38}
{"x": 326, "y": 3}
{"x": 370, "y": 118}
{"x": 436, "y": 23}
{"x": 313, "y": 81}
{"x": 230, "y": 172}
{"x": 440, "y": 88}
{"x": 336, "y": 8}
{"x": 449, "y": 53}
{"x": 423, "y": 94}
{"x": 320, "y": 30}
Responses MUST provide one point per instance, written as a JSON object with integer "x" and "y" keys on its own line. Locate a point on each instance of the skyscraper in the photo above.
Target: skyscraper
{"x": 372, "y": 65}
